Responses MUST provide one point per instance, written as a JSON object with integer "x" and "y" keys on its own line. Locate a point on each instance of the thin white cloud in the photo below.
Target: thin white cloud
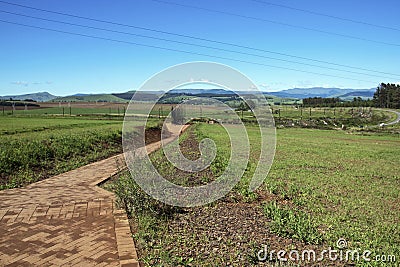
{"x": 24, "y": 83}
{"x": 273, "y": 86}
{"x": 21, "y": 83}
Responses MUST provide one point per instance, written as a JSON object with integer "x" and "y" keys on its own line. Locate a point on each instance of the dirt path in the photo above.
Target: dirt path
{"x": 396, "y": 120}
{"x": 67, "y": 220}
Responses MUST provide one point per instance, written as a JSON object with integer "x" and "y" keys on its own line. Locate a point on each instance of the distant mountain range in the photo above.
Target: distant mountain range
{"x": 324, "y": 92}
{"x": 201, "y": 91}
{"x": 295, "y": 93}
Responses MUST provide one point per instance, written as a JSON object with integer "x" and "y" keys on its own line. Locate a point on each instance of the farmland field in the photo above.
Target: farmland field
{"x": 173, "y": 133}
{"x": 85, "y": 109}
{"x": 323, "y": 186}
{"x": 35, "y": 148}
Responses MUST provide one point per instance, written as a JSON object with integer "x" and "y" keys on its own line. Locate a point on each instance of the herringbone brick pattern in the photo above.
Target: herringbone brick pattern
{"x": 59, "y": 242}
{"x": 64, "y": 221}
{"x": 67, "y": 220}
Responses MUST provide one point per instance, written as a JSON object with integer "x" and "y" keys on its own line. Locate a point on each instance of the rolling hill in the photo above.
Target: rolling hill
{"x": 364, "y": 94}
{"x": 143, "y": 96}
{"x": 90, "y": 98}
{"x": 39, "y": 97}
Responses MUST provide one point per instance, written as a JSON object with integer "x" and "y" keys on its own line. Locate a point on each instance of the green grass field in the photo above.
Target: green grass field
{"x": 349, "y": 184}
{"x": 323, "y": 185}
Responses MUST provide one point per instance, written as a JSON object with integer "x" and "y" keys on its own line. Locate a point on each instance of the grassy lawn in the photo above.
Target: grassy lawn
{"x": 349, "y": 184}
{"x": 323, "y": 185}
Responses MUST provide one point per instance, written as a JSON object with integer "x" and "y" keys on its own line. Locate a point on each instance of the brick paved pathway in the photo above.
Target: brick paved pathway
{"x": 67, "y": 220}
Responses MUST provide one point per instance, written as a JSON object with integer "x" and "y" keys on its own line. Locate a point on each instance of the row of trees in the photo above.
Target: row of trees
{"x": 336, "y": 102}
{"x": 5, "y": 103}
{"x": 320, "y": 101}
{"x": 387, "y": 96}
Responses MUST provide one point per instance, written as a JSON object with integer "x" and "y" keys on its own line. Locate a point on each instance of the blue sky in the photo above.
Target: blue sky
{"x": 34, "y": 60}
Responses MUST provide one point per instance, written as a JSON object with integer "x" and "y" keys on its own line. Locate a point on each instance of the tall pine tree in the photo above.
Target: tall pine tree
{"x": 387, "y": 96}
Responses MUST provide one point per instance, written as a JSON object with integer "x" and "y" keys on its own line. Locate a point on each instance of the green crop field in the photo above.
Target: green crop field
{"x": 13, "y": 125}
{"x": 35, "y": 148}
{"x": 66, "y": 111}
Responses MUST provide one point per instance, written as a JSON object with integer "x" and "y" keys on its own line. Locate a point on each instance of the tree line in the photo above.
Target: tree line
{"x": 387, "y": 96}
{"x": 321, "y": 101}
{"x": 336, "y": 102}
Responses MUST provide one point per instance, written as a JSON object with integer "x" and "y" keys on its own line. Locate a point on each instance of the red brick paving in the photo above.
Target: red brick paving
{"x": 67, "y": 220}
{"x": 64, "y": 221}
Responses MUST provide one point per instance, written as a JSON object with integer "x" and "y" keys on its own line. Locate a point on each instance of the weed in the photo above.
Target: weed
{"x": 292, "y": 224}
